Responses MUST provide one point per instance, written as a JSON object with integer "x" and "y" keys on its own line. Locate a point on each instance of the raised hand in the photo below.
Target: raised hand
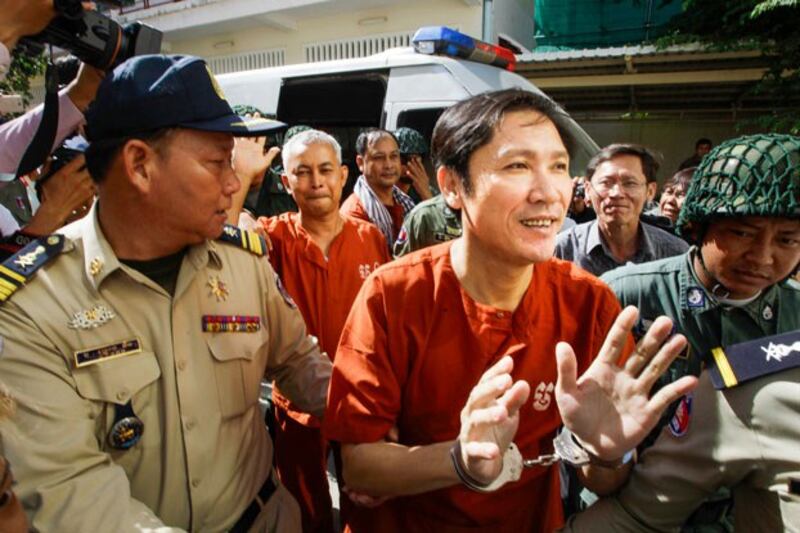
{"x": 490, "y": 419}
{"x": 419, "y": 177}
{"x": 609, "y": 407}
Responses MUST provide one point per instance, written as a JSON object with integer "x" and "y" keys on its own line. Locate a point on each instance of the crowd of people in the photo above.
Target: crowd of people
{"x": 474, "y": 338}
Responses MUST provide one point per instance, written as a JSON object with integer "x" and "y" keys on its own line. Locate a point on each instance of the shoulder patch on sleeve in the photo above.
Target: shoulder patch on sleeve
{"x": 284, "y": 293}
{"x": 249, "y": 240}
{"x": 20, "y": 268}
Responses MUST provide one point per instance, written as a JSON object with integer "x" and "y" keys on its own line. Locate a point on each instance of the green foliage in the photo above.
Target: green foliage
{"x": 23, "y": 69}
{"x": 770, "y": 26}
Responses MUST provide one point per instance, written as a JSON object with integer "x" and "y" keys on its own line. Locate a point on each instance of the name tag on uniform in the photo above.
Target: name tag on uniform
{"x": 231, "y": 323}
{"x": 753, "y": 359}
{"x": 105, "y": 353}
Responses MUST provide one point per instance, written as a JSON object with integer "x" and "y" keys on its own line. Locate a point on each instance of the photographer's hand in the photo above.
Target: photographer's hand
{"x": 19, "y": 18}
{"x": 84, "y": 87}
{"x": 67, "y": 196}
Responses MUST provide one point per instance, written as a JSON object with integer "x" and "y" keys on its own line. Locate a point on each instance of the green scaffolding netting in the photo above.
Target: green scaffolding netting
{"x": 579, "y": 24}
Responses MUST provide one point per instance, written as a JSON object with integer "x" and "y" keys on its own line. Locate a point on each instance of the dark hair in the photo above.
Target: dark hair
{"x": 371, "y": 136}
{"x": 702, "y": 141}
{"x": 681, "y": 178}
{"x": 471, "y": 124}
{"x": 646, "y": 157}
{"x": 101, "y": 153}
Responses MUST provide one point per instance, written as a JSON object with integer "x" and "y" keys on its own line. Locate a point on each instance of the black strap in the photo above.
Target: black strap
{"x": 250, "y": 514}
{"x": 42, "y": 142}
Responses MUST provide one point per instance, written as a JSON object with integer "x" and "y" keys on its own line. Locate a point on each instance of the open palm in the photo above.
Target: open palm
{"x": 609, "y": 407}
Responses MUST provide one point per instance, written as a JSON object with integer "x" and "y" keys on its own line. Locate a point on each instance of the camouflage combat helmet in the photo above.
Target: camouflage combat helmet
{"x": 754, "y": 175}
{"x": 294, "y": 130}
{"x": 242, "y": 110}
{"x": 411, "y": 141}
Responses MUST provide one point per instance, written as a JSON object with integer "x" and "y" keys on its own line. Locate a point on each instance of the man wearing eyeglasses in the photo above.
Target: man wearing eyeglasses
{"x": 619, "y": 181}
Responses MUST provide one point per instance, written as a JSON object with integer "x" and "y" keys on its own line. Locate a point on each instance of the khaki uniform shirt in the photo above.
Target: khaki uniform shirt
{"x": 744, "y": 438}
{"x": 205, "y": 451}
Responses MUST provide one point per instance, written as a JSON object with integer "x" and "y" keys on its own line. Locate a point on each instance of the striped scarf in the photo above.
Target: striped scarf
{"x": 377, "y": 212}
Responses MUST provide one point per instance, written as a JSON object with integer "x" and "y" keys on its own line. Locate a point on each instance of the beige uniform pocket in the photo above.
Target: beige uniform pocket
{"x": 117, "y": 380}
{"x": 238, "y": 368}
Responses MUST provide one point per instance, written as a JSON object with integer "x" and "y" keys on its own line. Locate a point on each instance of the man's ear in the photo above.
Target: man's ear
{"x": 451, "y": 187}
{"x": 285, "y": 181}
{"x": 139, "y": 160}
{"x": 345, "y": 174}
{"x": 360, "y": 163}
{"x": 652, "y": 187}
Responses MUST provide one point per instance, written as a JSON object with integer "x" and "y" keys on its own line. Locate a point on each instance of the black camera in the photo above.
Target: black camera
{"x": 93, "y": 37}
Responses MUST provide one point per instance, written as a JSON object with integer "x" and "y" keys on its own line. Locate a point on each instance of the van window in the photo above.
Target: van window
{"x": 422, "y": 120}
{"x": 339, "y": 104}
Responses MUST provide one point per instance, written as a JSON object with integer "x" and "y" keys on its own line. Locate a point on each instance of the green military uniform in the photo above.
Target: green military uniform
{"x": 88, "y": 334}
{"x": 430, "y": 222}
{"x": 737, "y": 431}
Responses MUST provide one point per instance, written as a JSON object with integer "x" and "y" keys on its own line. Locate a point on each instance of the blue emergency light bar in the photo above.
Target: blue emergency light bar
{"x": 442, "y": 40}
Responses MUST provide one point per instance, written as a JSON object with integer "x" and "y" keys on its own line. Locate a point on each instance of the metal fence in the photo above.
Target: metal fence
{"x": 138, "y": 5}
{"x": 358, "y": 47}
{"x": 274, "y": 57}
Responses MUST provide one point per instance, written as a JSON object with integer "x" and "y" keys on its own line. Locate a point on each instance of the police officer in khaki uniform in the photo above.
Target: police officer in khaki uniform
{"x": 734, "y": 300}
{"x": 136, "y": 351}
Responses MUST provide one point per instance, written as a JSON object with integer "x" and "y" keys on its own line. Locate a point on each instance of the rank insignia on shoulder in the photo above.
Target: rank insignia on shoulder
{"x": 105, "y": 353}
{"x": 20, "y": 267}
{"x": 249, "y": 240}
{"x": 231, "y": 323}
{"x": 754, "y": 359}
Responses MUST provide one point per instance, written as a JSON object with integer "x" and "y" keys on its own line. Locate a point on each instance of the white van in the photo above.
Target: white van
{"x": 399, "y": 87}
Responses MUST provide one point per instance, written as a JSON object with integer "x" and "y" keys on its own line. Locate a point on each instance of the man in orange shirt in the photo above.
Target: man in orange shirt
{"x": 323, "y": 258}
{"x": 443, "y": 346}
{"x": 376, "y": 197}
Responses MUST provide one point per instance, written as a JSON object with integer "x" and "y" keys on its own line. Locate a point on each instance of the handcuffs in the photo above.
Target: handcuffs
{"x": 566, "y": 448}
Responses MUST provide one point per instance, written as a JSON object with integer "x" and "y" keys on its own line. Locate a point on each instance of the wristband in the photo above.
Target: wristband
{"x": 512, "y": 469}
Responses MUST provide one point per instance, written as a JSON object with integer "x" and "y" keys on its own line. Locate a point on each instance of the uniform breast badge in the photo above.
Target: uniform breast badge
{"x": 127, "y": 429}
{"x": 91, "y": 318}
{"x": 231, "y": 323}
{"x": 695, "y": 297}
{"x": 219, "y": 289}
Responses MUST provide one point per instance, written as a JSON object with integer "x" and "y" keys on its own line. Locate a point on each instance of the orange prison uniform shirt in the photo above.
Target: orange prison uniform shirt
{"x": 353, "y": 207}
{"x": 414, "y": 346}
{"x": 324, "y": 290}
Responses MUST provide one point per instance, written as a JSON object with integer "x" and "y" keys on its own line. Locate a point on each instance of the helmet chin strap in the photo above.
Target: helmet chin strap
{"x": 717, "y": 288}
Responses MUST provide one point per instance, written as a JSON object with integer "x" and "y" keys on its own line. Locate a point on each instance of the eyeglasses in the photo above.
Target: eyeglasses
{"x": 628, "y": 186}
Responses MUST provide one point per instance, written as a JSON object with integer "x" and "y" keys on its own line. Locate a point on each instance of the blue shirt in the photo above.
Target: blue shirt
{"x": 584, "y": 246}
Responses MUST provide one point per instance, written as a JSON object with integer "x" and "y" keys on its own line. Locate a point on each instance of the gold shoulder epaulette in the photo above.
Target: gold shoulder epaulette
{"x": 249, "y": 240}
{"x": 20, "y": 268}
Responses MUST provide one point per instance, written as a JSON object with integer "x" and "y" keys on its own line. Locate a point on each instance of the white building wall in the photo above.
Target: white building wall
{"x": 389, "y": 20}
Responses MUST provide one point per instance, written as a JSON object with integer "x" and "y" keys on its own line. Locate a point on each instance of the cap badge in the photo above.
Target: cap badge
{"x": 215, "y": 84}
{"x": 91, "y": 318}
{"x": 767, "y": 313}
{"x": 219, "y": 288}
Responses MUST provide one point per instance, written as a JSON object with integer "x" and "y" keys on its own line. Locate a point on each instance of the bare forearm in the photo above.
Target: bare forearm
{"x": 388, "y": 469}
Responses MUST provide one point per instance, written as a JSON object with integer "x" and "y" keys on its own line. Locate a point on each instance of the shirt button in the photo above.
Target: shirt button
{"x": 182, "y": 364}
{"x": 195, "y": 483}
{"x": 121, "y": 395}
{"x": 500, "y": 314}
{"x": 189, "y": 424}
